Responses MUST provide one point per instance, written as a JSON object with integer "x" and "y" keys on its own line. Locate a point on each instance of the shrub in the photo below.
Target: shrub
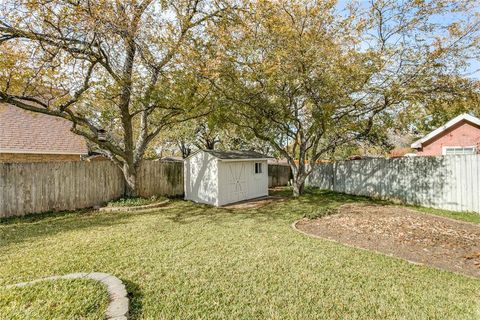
{"x": 320, "y": 212}
{"x": 134, "y": 202}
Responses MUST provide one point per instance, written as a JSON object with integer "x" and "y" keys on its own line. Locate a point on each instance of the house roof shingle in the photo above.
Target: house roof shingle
{"x": 23, "y": 131}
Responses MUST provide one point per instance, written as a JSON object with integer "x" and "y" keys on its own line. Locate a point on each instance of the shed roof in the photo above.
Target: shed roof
{"x": 463, "y": 117}
{"x": 23, "y": 131}
{"x": 236, "y": 154}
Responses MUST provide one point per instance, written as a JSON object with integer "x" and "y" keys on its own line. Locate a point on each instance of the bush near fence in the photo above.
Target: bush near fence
{"x": 448, "y": 182}
{"x": 60, "y": 186}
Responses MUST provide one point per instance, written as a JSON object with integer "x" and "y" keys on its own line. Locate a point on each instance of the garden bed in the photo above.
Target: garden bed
{"x": 417, "y": 237}
{"x": 135, "y": 204}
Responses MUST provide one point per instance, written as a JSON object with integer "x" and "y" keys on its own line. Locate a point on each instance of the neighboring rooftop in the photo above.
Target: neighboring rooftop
{"x": 231, "y": 155}
{"x": 400, "y": 152}
{"x": 23, "y": 131}
{"x": 463, "y": 117}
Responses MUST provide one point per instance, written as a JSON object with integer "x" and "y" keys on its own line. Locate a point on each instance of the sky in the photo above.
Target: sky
{"x": 473, "y": 69}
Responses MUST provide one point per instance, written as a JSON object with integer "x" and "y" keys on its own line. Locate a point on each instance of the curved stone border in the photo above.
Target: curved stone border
{"x": 117, "y": 308}
{"x": 135, "y": 208}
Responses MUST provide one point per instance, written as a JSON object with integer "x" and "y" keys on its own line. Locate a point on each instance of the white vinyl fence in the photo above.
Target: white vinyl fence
{"x": 449, "y": 182}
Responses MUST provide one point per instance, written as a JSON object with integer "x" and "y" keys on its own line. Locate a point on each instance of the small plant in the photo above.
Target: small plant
{"x": 320, "y": 212}
{"x": 134, "y": 202}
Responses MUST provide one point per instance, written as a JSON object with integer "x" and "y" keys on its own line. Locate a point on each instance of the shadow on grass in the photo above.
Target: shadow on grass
{"x": 135, "y": 297}
{"x": 19, "y": 229}
{"x": 327, "y": 197}
{"x": 285, "y": 209}
{"x": 41, "y": 217}
{"x": 195, "y": 212}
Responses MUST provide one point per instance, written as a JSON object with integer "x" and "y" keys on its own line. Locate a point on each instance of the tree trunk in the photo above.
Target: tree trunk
{"x": 299, "y": 177}
{"x": 299, "y": 171}
{"x": 184, "y": 149}
{"x": 210, "y": 143}
{"x": 186, "y": 152}
{"x": 130, "y": 174}
{"x": 298, "y": 187}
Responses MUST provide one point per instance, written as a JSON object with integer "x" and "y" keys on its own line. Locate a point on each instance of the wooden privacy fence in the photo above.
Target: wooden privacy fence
{"x": 161, "y": 178}
{"x": 278, "y": 175}
{"x": 450, "y": 182}
{"x": 55, "y": 186}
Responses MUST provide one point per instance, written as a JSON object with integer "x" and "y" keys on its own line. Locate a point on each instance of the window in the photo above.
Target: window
{"x": 258, "y": 167}
{"x": 459, "y": 150}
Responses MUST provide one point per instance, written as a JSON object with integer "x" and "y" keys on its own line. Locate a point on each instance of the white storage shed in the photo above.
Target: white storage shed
{"x": 222, "y": 177}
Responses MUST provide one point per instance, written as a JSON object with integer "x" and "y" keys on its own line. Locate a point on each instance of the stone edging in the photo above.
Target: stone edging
{"x": 135, "y": 208}
{"x": 117, "y": 308}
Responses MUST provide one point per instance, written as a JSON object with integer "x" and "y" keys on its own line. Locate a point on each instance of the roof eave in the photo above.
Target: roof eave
{"x": 242, "y": 159}
{"x": 18, "y": 151}
{"x": 418, "y": 144}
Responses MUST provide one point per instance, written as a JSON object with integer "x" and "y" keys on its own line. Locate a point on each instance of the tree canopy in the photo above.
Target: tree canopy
{"x": 119, "y": 66}
{"x": 308, "y": 78}
{"x": 299, "y": 78}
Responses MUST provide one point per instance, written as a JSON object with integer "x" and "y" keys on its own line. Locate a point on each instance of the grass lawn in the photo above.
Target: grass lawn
{"x": 59, "y": 299}
{"x": 464, "y": 216}
{"x": 194, "y": 261}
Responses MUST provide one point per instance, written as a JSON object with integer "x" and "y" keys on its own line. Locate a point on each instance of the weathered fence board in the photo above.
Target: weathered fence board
{"x": 450, "y": 182}
{"x": 55, "y": 186}
{"x": 160, "y": 178}
{"x": 278, "y": 175}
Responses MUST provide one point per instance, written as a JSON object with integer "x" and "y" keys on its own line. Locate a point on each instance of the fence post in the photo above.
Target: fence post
{"x": 334, "y": 175}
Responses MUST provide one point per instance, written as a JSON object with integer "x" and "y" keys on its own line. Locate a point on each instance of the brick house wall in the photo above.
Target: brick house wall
{"x": 463, "y": 134}
{"x": 32, "y": 157}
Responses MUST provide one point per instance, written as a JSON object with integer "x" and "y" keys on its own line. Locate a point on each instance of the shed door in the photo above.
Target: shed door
{"x": 236, "y": 182}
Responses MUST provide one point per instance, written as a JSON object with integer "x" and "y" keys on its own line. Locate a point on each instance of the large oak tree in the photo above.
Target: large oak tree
{"x": 119, "y": 66}
{"x": 309, "y": 77}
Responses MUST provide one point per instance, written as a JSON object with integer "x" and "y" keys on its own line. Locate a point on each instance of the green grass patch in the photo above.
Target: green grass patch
{"x": 57, "y": 299}
{"x": 135, "y": 201}
{"x": 341, "y": 198}
{"x": 191, "y": 261}
{"x": 463, "y": 216}
{"x": 321, "y": 212}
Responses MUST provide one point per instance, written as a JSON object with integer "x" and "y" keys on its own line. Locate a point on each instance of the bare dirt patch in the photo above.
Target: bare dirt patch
{"x": 418, "y": 237}
{"x": 254, "y": 203}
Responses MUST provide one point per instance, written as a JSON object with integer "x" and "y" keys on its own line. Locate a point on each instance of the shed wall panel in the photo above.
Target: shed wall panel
{"x": 219, "y": 182}
{"x": 201, "y": 178}
{"x": 252, "y": 185}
